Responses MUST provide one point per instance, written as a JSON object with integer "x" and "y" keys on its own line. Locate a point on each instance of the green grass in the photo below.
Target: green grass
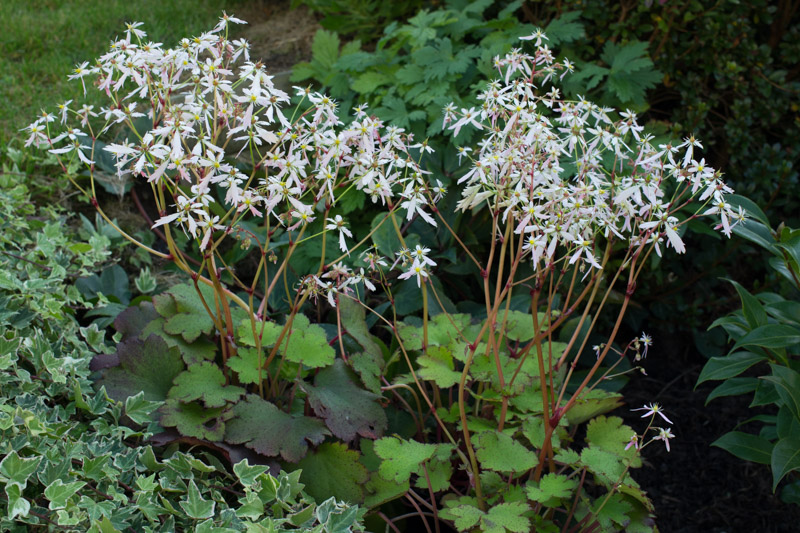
{"x": 43, "y": 40}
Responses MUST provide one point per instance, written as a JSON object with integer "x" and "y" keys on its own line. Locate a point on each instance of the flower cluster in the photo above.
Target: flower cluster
{"x": 566, "y": 172}
{"x": 206, "y": 96}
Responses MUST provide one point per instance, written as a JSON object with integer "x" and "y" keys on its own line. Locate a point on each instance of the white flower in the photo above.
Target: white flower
{"x": 337, "y": 224}
{"x": 652, "y": 410}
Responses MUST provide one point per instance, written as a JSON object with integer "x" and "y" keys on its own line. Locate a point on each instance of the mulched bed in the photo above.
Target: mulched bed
{"x": 696, "y": 487}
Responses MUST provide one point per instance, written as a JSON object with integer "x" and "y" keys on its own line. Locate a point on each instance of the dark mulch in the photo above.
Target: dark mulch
{"x": 696, "y": 487}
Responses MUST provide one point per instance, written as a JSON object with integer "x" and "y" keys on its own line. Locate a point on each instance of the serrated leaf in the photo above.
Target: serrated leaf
{"x": 605, "y": 465}
{"x": 369, "y": 364}
{"x": 195, "y": 506}
{"x": 194, "y": 420}
{"x": 347, "y": 409}
{"x": 325, "y": 48}
{"x": 552, "y": 489}
{"x": 262, "y": 427}
{"x": 191, "y": 319}
{"x": 745, "y": 446}
{"x": 591, "y": 404}
{"x": 564, "y": 29}
{"x": 369, "y": 81}
{"x": 499, "y": 452}
{"x": 609, "y": 434}
{"x": 718, "y": 368}
{"x": 615, "y": 509}
{"x": 437, "y": 366}
{"x": 245, "y": 363}
{"x": 204, "y": 382}
{"x": 401, "y": 458}
{"x": 506, "y": 517}
{"x": 334, "y": 470}
{"x": 466, "y": 516}
{"x": 147, "y": 366}
{"x": 307, "y": 344}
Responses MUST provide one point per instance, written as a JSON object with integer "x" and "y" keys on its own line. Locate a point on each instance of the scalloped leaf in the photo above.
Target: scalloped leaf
{"x": 499, "y": 452}
{"x": 347, "y": 409}
{"x": 308, "y": 344}
{"x": 552, "y": 489}
{"x": 401, "y": 458}
{"x": 262, "y": 427}
{"x": 245, "y": 363}
{"x": 370, "y": 363}
{"x": 609, "y": 434}
{"x": 334, "y": 470}
{"x": 147, "y": 366}
{"x": 204, "y": 382}
{"x": 437, "y": 366}
{"x": 190, "y": 319}
{"x": 194, "y": 420}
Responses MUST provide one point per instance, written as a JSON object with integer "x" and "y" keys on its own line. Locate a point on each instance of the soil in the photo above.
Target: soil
{"x": 696, "y": 487}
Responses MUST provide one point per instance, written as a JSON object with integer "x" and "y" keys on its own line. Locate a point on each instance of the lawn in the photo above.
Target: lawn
{"x": 49, "y": 37}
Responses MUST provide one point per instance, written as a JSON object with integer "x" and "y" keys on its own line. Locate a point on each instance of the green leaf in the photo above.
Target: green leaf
{"x": 748, "y": 205}
{"x": 564, "y": 29}
{"x": 615, "y": 509}
{"x": 204, "y": 382}
{"x": 733, "y": 387}
{"x": 785, "y": 458}
{"x": 787, "y": 383}
{"x": 139, "y": 410}
{"x": 195, "y": 506}
{"x": 466, "y": 516}
{"x": 401, "y": 458}
{"x": 501, "y": 453}
{"x": 552, "y": 489}
{"x": 792, "y": 249}
{"x": 194, "y": 420}
{"x": 369, "y": 81}
{"x": 245, "y": 363}
{"x": 307, "y": 344}
{"x": 334, "y": 470}
{"x": 437, "y": 366}
{"x": 591, "y": 404}
{"x": 325, "y": 48}
{"x": 262, "y": 427}
{"x": 18, "y": 469}
{"x": 728, "y": 366}
{"x": 506, "y": 517}
{"x": 369, "y": 364}
{"x": 757, "y": 233}
{"x": 17, "y": 504}
{"x": 609, "y": 434}
{"x": 248, "y": 474}
{"x": 754, "y": 312}
{"x": 746, "y": 446}
{"x": 191, "y": 318}
{"x": 347, "y": 409}
{"x": 770, "y": 336}
{"x": 607, "y": 466}
{"x": 147, "y": 366}
{"x": 59, "y": 492}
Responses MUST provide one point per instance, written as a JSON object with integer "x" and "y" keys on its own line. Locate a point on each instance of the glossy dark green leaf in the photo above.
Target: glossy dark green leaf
{"x": 787, "y": 383}
{"x": 746, "y": 446}
{"x": 785, "y": 459}
{"x": 733, "y": 387}
{"x": 770, "y": 336}
{"x": 728, "y": 366}
{"x": 754, "y": 312}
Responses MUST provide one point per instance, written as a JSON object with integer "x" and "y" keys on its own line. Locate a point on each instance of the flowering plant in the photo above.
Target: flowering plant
{"x": 578, "y": 198}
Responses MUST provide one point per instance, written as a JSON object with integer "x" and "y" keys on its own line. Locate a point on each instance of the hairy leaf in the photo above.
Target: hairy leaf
{"x": 347, "y": 409}
{"x": 194, "y": 420}
{"x": 501, "y": 453}
{"x": 334, "y": 470}
{"x": 262, "y": 427}
{"x": 204, "y": 382}
{"x": 147, "y": 366}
